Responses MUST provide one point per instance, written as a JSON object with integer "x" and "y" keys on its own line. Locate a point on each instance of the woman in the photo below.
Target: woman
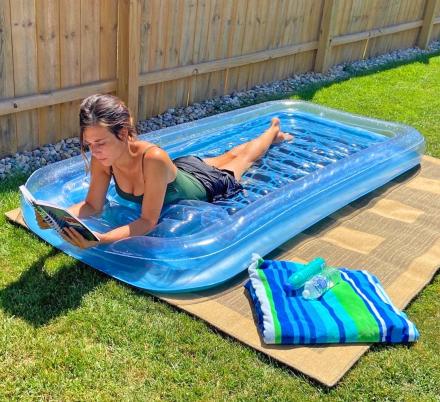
{"x": 144, "y": 173}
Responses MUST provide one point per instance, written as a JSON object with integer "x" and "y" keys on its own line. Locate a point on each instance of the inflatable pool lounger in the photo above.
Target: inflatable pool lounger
{"x": 334, "y": 159}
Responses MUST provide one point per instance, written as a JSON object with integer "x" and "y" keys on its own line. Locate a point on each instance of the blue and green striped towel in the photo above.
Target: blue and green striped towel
{"x": 356, "y": 310}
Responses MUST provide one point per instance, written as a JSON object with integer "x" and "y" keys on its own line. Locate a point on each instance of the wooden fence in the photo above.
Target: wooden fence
{"x": 157, "y": 54}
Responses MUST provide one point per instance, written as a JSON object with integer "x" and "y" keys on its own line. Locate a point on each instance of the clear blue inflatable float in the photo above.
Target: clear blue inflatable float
{"x": 334, "y": 159}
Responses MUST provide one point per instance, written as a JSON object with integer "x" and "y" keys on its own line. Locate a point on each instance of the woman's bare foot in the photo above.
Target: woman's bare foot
{"x": 280, "y": 136}
{"x": 283, "y": 137}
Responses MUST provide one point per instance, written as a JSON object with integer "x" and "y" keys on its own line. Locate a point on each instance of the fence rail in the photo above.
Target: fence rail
{"x": 158, "y": 54}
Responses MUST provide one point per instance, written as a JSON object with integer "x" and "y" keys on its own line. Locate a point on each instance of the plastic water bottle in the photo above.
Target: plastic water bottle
{"x": 299, "y": 278}
{"x": 319, "y": 284}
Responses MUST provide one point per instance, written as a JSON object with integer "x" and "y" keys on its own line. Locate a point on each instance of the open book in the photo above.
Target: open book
{"x": 57, "y": 217}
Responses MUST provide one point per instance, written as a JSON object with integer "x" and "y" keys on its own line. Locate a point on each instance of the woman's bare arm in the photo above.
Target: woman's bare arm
{"x": 158, "y": 173}
{"x": 82, "y": 209}
{"x": 99, "y": 182}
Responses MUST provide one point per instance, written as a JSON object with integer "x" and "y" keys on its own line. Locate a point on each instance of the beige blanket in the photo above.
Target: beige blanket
{"x": 393, "y": 232}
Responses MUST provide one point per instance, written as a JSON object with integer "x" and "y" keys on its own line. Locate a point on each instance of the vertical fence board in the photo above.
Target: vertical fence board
{"x": 148, "y": 33}
{"x": 407, "y": 11}
{"x": 48, "y": 52}
{"x": 340, "y": 53}
{"x": 431, "y": 8}
{"x": 276, "y": 36}
{"x": 411, "y": 14}
{"x": 223, "y": 46}
{"x": 379, "y": 17}
{"x": 325, "y": 37}
{"x": 70, "y": 62}
{"x": 249, "y": 33}
{"x": 198, "y": 83}
{"x": 350, "y": 18}
{"x": 271, "y": 24}
{"x": 165, "y": 45}
{"x": 308, "y": 31}
{"x": 186, "y": 48}
{"x": 436, "y": 30}
{"x": 128, "y": 53}
{"x": 108, "y": 39}
{"x": 395, "y": 12}
{"x": 436, "y": 33}
{"x": 218, "y": 38}
{"x": 213, "y": 39}
{"x": 8, "y": 139}
{"x": 174, "y": 19}
{"x": 156, "y": 50}
{"x": 235, "y": 42}
{"x": 262, "y": 13}
{"x": 279, "y": 37}
{"x": 90, "y": 65}
{"x": 25, "y": 69}
{"x": 307, "y": 13}
{"x": 369, "y": 46}
{"x": 287, "y": 38}
{"x": 158, "y": 57}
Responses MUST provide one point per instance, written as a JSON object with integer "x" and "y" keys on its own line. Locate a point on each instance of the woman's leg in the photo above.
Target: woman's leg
{"x": 241, "y": 157}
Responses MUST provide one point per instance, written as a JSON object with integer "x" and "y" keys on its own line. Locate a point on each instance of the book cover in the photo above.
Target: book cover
{"x": 57, "y": 217}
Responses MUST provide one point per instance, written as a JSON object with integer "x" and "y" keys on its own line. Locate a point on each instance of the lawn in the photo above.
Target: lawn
{"x": 68, "y": 332}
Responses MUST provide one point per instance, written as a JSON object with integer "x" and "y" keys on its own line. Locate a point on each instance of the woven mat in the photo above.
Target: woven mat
{"x": 393, "y": 232}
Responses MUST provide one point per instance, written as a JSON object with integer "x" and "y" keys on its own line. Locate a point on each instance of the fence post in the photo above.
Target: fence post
{"x": 428, "y": 23}
{"x": 129, "y": 21}
{"x": 325, "y": 36}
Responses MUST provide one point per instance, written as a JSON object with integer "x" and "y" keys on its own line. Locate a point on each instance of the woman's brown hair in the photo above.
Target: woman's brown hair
{"x": 106, "y": 111}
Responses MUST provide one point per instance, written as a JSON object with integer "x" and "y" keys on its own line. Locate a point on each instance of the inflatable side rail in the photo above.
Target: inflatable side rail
{"x": 335, "y": 158}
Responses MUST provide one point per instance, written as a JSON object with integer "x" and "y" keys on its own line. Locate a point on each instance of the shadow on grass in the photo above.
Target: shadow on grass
{"x": 39, "y": 295}
{"x": 42, "y": 294}
{"x": 12, "y": 182}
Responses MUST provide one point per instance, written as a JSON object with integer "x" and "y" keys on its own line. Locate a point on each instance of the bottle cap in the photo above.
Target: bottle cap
{"x": 306, "y": 294}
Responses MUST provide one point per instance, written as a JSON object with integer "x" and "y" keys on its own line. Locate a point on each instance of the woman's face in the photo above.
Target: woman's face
{"x": 104, "y": 145}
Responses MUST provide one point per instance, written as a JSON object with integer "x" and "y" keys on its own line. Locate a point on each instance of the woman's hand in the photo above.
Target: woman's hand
{"x": 139, "y": 227}
{"x": 41, "y": 223}
{"x": 74, "y": 237}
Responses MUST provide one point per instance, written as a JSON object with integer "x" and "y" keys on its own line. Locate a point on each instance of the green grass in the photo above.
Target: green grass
{"x": 68, "y": 332}
{"x": 408, "y": 94}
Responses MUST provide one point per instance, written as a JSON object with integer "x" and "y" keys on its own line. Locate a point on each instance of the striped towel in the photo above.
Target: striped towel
{"x": 355, "y": 310}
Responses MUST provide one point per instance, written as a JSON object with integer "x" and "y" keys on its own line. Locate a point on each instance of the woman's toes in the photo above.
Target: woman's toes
{"x": 282, "y": 137}
{"x": 287, "y": 136}
{"x": 275, "y": 121}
